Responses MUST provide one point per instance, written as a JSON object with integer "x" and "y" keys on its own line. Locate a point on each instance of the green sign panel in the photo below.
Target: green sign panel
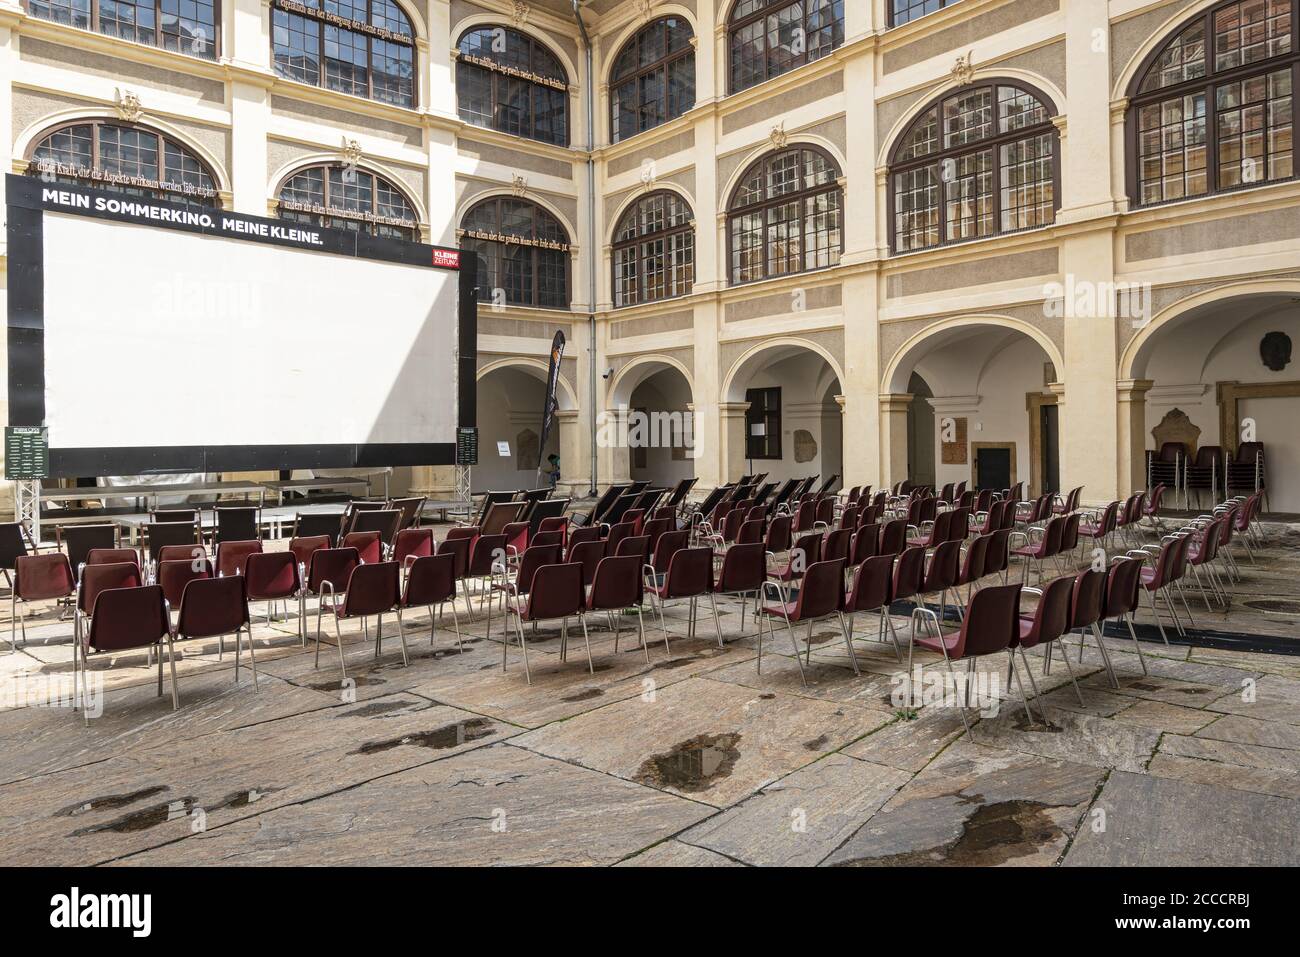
{"x": 27, "y": 452}
{"x": 467, "y": 446}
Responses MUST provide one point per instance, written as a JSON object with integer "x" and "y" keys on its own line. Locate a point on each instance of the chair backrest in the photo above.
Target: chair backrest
{"x": 1052, "y": 616}
{"x": 1087, "y": 604}
{"x": 333, "y": 565}
{"x": 80, "y": 539}
{"x": 317, "y": 524}
{"x": 655, "y": 527}
{"x": 690, "y": 573}
{"x": 430, "y": 580}
{"x": 992, "y": 621}
{"x": 216, "y": 606}
{"x": 190, "y": 515}
{"x": 517, "y": 534}
{"x": 174, "y": 574}
{"x": 744, "y": 568}
{"x": 487, "y": 550}
{"x": 909, "y": 573}
{"x": 588, "y": 555}
{"x": 669, "y": 544}
{"x": 806, "y": 516}
{"x": 822, "y": 591}
{"x": 548, "y": 538}
{"x": 385, "y": 521}
{"x": 1247, "y": 452}
{"x": 159, "y": 534}
{"x": 97, "y": 578}
{"x": 1123, "y": 586}
{"x": 617, "y": 584}
{"x": 638, "y": 545}
{"x": 778, "y": 537}
{"x": 945, "y": 566}
{"x": 458, "y": 548}
{"x": 41, "y": 577}
{"x": 372, "y": 589}
{"x": 1070, "y": 532}
{"x": 999, "y": 551}
{"x": 112, "y": 556}
{"x": 587, "y": 533}
{"x": 866, "y": 544}
{"x": 237, "y": 523}
{"x": 408, "y": 510}
{"x": 501, "y": 514}
{"x": 972, "y": 568}
{"x": 412, "y": 543}
{"x": 836, "y": 545}
{"x": 807, "y": 550}
{"x": 826, "y": 511}
{"x": 179, "y": 553}
{"x": 132, "y": 617}
{"x": 959, "y": 524}
{"x": 557, "y": 592}
{"x": 533, "y": 558}
{"x": 1053, "y": 535}
{"x": 369, "y": 545}
{"x": 271, "y": 575}
{"x": 731, "y": 524}
{"x": 468, "y": 532}
{"x": 231, "y": 556}
{"x": 893, "y": 537}
{"x": 871, "y": 584}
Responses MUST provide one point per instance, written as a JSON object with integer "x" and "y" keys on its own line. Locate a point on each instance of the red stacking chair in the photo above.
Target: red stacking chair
{"x": 516, "y": 534}
{"x": 1123, "y": 584}
{"x": 1202, "y": 550}
{"x": 369, "y": 546}
{"x": 940, "y": 575}
{"x": 590, "y": 533}
{"x": 871, "y": 592}
{"x": 214, "y": 608}
{"x": 836, "y": 545}
{"x": 431, "y": 582}
{"x": 821, "y": 595}
{"x": 112, "y": 556}
{"x": 806, "y": 551}
{"x": 972, "y": 568}
{"x": 458, "y": 549}
{"x": 412, "y": 543}
{"x": 689, "y": 576}
{"x": 1086, "y": 609}
{"x": 1126, "y": 521}
{"x": 1048, "y": 546}
{"x": 556, "y": 594}
{"x": 174, "y": 574}
{"x": 1151, "y": 508}
{"x": 778, "y": 537}
{"x": 304, "y": 548}
{"x": 232, "y": 555}
{"x": 272, "y": 577}
{"x": 1101, "y": 525}
{"x": 893, "y": 537}
{"x": 617, "y": 588}
{"x": 998, "y": 557}
{"x": 38, "y": 578}
{"x": 909, "y": 575}
{"x": 548, "y": 538}
{"x": 1064, "y": 506}
{"x": 97, "y": 578}
{"x": 1048, "y": 623}
{"x": 866, "y": 544}
{"x": 329, "y": 568}
{"x": 617, "y": 533}
{"x": 555, "y": 523}
{"x": 181, "y": 553}
{"x": 744, "y": 569}
{"x": 532, "y": 559}
{"x": 588, "y": 555}
{"x": 638, "y": 545}
{"x": 991, "y": 626}
{"x": 122, "y": 619}
{"x": 372, "y": 589}
{"x": 488, "y": 553}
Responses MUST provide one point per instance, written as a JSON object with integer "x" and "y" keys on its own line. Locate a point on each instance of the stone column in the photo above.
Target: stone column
{"x": 893, "y": 437}
{"x": 1131, "y": 397}
{"x": 731, "y": 430}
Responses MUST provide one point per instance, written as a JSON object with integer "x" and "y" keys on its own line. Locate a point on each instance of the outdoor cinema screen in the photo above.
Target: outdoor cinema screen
{"x": 149, "y": 336}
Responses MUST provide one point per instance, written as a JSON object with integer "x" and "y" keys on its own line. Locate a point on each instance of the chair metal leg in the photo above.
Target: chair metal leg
{"x": 1105, "y": 655}
{"x": 848, "y": 643}
{"x": 338, "y": 636}
{"x": 795, "y": 642}
{"x": 1128, "y": 620}
{"x": 1069, "y": 670}
{"x": 591, "y": 667}
{"x": 252, "y": 659}
{"x": 717, "y": 625}
{"x": 640, "y": 624}
{"x": 1033, "y": 684}
{"x": 1011, "y": 657}
{"x": 171, "y": 661}
{"x": 1155, "y": 613}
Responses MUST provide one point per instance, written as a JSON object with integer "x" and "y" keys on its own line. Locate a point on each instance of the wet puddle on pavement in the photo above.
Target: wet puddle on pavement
{"x": 693, "y": 765}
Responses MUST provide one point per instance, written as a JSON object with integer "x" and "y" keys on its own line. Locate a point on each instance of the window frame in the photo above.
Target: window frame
{"x": 1209, "y": 85}
{"x": 370, "y": 38}
{"x": 991, "y": 143}
{"x": 770, "y": 7}
{"x": 340, "y": 212}
{"x": 461, "y": 232}
{"x": 499, "y": 74}
{"x": 93, "y": 27}
{"x": 733, "y": 212}
{"x": 160, "y": 192}
{"x": 659, "y": 66}
{"x": 767, "y": 415}
{"x": 893, "y": 21}
{"x": 636, "y": 241}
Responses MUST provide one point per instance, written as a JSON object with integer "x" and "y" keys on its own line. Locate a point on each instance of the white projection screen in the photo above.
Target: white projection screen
{"x": 172, "y": 339}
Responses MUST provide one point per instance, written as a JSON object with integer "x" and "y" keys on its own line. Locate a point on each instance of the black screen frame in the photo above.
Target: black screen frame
{"x": 27, "y": 202}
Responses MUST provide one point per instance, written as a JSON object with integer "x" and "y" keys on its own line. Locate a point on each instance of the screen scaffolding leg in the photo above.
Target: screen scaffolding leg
{"x": 27, "y": 506}
{"x": 463, "y": 484}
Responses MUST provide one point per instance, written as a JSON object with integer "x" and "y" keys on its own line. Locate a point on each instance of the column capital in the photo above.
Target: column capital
{"x": 732, "y": 409}
{"x": 1133, "y": 390}
{"x": 896, "y": 401}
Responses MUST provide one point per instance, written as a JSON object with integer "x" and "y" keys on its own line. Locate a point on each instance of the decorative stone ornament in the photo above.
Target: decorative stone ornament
{"x": 518, "y": 185}
{"x": 128, "y": 105}
{"x": 1275, "y": 351}
{"x": 351, "y": 152}
{"x": 963, "y": 70}
{"x": 780, "y": 138}
{"x": 520, "y": 14}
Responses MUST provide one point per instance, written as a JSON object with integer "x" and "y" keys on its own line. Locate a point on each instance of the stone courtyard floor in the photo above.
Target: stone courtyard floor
{"x": 694, "y": 759}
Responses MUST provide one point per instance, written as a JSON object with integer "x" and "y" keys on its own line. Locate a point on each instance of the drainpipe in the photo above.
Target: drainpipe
{"x": 590, "y": 89}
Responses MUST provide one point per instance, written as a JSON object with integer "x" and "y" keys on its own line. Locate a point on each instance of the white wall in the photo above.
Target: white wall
{"x": 662, "y": 392}
{"x": 510, "y": 401}
{"x": 805, "y": 404}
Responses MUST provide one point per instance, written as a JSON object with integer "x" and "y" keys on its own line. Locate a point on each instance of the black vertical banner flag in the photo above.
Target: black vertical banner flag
{"x": 552, "y": 383}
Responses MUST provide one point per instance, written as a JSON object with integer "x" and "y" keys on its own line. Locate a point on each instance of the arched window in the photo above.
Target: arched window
{"x": 123, "y": 158}
{"x": 653, "y": 80}
{"x": 1239, "y": 58}
{"x": 784, "y": 217}
{"x": 507, "y": 81}
{"x": 771, "y": 37}
{"x": 362, "y": 47}
{"x": 187, "y": 27}
{"x": 982, "y": 160}
{"x": 654, "y": 250}
{"x": 344, "y": 197}
{"x": 523, "y": 253}
{"x": 905, "y": 11}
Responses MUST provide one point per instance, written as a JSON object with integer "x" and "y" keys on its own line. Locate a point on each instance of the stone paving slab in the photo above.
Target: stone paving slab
{"x": 1274, "y": 699}
{"x": 1280, "y": 783}
{"x": 148, "y": 796}
{"x": 499, "y": 805}
{"x": 676, "y": 854}
{"x": 1153, "y": 820}
{"x": 1068, "y": 735}
{"x": 801, "y": 819}
{"x": 977, "y": 806}
{"x": 708, "y": 740}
